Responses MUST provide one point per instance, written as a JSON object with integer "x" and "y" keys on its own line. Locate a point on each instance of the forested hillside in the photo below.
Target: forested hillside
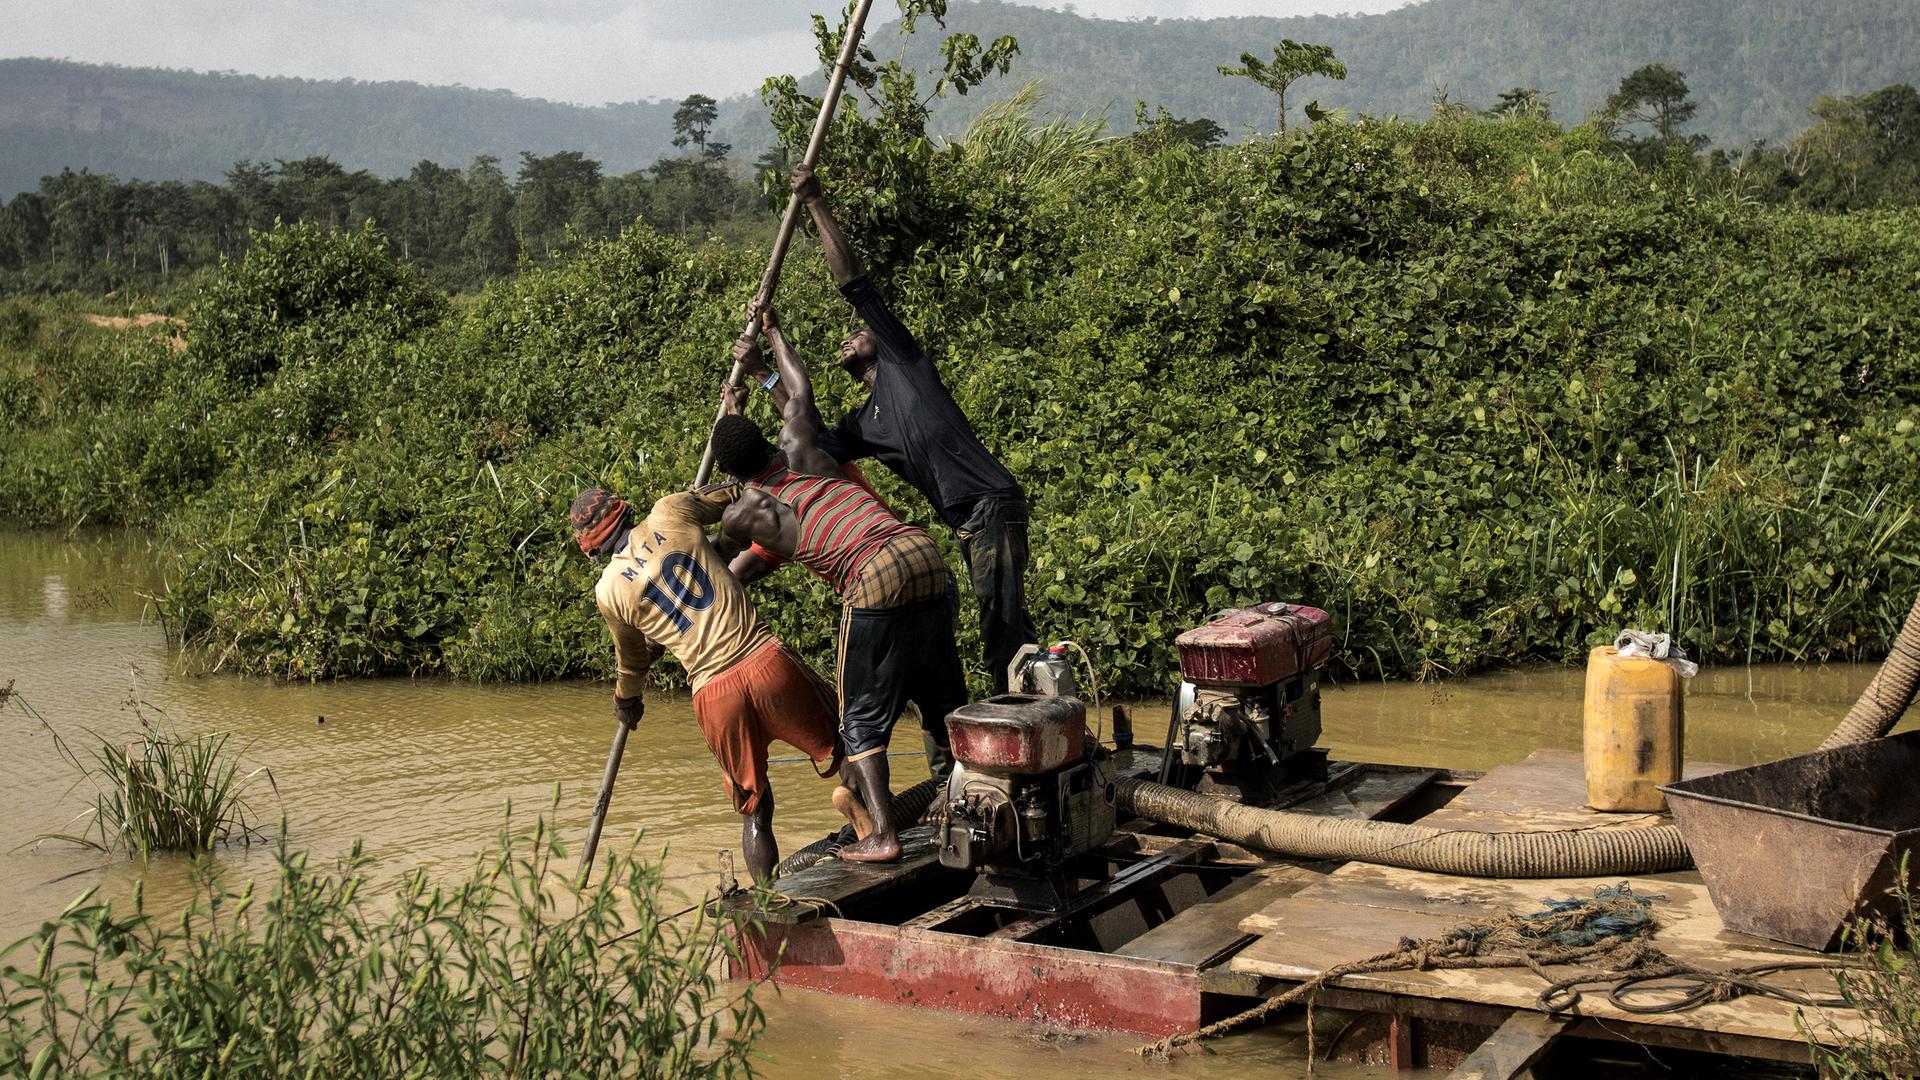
{"x": 1754, "y": 67}
{"x": 177, "y": 125}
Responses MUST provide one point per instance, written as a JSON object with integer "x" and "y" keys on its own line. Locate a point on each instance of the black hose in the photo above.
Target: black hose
{"x": 907, "y": 806}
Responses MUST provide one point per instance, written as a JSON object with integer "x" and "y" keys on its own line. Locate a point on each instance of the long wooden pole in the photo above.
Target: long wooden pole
{"x": 771, "y": 279}
{"x": 768, "y": 282}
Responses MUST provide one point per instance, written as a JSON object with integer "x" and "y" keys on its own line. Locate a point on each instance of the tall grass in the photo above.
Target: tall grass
{"x": 1009, "y": 144}
{"x": 512, "y": 972}
{"x": 161, "y": 790}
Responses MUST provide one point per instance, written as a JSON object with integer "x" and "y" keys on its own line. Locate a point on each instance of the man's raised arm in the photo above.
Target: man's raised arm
{"x": 842, "y": 260}
{"x": 800, "y": 432}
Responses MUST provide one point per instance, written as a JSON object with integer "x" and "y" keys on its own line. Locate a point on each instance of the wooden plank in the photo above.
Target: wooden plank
{"x": 1511, "y": 1049}
{"x": 1092, "y": 900}
{"x": 1400, "y": 1043}
{"x": 946, "y": 912}
{"x": 1492, "y": 1016}
{"x": 833, "y": 884}
{"x": 1301, "y": 937}
{"x": 1360, "y": 911}
{"x": 1208, "y": 931}
{"x": 1548, "y": 790}
{"x": 1326, "y": 934}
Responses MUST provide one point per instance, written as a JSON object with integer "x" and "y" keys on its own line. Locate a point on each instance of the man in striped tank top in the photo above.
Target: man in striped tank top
{"x": 896, "y": 625}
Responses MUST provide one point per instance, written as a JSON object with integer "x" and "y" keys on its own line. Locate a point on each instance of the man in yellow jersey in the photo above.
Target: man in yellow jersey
{"x": 665, "y": 588}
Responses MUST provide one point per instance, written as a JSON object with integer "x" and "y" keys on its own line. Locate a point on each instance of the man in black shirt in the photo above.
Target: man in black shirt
{"x": 912, "y": 424}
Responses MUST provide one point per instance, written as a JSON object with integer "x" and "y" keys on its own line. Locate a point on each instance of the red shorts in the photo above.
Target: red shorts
{"x": 771, "y": 694}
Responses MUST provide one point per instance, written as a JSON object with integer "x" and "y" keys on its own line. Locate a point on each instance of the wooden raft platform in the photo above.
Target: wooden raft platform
{"x": 1143, "y": 947}
{"x": 1360, "y": 911}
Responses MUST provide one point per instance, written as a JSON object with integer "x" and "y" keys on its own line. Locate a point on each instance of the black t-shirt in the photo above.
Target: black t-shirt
{"x": 912, "y": 424}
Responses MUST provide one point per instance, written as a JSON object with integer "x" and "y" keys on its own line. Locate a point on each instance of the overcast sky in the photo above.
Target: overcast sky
{"x": 585, "y": 51}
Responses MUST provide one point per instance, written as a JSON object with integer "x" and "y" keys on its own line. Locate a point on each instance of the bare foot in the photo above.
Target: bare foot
{"x": 880, "y": 847}
{"x": 855, "y": 811}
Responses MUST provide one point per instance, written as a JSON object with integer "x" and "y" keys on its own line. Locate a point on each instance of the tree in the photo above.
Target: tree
{"x": 1166, "y": 129}
{"x": 552, "y": 191}
{"x": 488, "y": 243}
{"x": 1656, "y": 95}
{"x": 1522, "y": 101}
{"x": 878, "y": 157}
{"x": 1292, "y": 61}
{"x": 693, "y": 119}
{"x": 1862, "y": 151}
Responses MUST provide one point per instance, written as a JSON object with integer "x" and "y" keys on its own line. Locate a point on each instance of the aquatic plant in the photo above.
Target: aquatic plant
{"x": 161, "y": 790}
{"x": 511, "y": 972}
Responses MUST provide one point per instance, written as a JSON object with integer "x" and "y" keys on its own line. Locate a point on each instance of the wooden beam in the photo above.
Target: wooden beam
{"x": 1511, "y": 1049}
{"x": 1400, "y": 1042}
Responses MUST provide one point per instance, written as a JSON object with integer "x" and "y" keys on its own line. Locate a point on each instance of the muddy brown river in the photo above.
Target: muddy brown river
{"x": 421, "y": 770}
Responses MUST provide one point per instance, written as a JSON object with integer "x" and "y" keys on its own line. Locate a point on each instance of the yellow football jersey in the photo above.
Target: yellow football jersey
{"x": 667, "y": 588}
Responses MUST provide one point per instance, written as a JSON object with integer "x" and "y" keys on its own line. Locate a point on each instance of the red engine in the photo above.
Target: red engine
{"x": 1248, "y": 713}
{"x": 1029, "y": 792}
{"x": 1018, "y": 734}
{"x": 1256, "y": 646}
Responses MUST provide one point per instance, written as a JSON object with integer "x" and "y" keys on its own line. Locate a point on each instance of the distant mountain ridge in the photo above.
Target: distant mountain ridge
{"x": 157, "y": 124}
{"x": 1755, "y": 66}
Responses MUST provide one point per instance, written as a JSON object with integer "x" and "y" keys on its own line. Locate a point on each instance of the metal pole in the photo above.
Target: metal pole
{"x": 768, "y": 281}
{"x": 771, "y": 279}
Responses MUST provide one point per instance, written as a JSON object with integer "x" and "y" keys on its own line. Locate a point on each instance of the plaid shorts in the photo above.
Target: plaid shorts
{"x": 909, "y": 570}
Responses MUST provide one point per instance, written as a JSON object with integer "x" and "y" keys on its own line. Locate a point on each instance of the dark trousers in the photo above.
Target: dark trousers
{"x": 890, "y": 656}
{"x": 993, "y": 540}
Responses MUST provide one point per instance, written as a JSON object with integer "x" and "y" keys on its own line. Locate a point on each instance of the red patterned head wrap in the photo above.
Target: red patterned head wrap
{"x": 596, "y": 514}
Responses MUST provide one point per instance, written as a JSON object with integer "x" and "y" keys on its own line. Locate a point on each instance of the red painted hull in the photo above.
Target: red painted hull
{"x": 1008, "y": 979}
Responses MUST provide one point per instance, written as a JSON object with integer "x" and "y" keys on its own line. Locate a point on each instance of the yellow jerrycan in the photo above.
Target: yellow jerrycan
{"x": 1635, "y": 730}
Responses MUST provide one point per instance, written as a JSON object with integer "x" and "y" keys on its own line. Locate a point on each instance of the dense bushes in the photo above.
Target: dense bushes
{"x": 1482, "y": 390}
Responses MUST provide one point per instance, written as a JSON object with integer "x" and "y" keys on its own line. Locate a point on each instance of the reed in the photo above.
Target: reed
{"x": 511, "y": 972}
{"x": 161, "y": 791}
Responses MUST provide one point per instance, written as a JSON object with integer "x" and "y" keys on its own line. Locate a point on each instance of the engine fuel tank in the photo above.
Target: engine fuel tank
{"x": 1256, "y": 646}
{"x": 1018, "y": 734}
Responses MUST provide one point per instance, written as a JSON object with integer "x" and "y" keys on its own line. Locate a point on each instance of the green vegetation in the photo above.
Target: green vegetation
{"x": 160, "y": 791}
{"x": 1883, "y": 984}
{"x": 511, "y": 972}
{"x": 1482, "y": 387}
{"x": 1754, "y": 65}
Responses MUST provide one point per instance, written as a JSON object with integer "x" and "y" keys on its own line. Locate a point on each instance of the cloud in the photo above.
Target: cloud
{"x": 585, "y": 51}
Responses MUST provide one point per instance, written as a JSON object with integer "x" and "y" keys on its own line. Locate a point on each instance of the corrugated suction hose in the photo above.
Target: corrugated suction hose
{"x": 907, "y": 805}
{"x": 1563, "y": 853}
{"x": 1566, "y": 853}
{"x": 1888, "y": 695}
